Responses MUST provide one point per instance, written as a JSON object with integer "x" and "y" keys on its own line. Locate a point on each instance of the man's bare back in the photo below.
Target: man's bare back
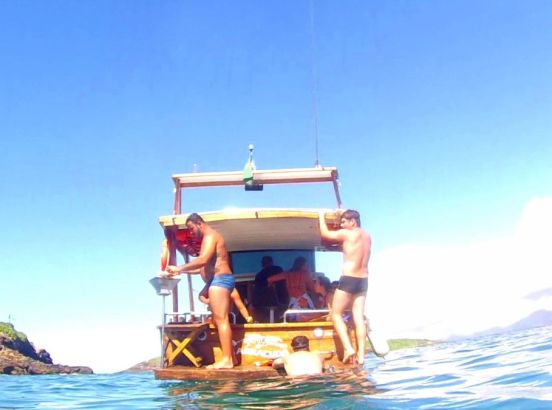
{"x": 302, "y": 361}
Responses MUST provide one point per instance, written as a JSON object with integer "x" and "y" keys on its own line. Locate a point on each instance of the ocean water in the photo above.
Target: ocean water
{"x": 509, "y": 371}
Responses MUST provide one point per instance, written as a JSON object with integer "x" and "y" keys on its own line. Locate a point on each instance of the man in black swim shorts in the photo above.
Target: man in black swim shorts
{"x": 353, "y": 284}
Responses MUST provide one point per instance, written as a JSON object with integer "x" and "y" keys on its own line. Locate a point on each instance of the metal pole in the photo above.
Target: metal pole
{"x": 162, "y": 356}
{"x": 163, "y": 287}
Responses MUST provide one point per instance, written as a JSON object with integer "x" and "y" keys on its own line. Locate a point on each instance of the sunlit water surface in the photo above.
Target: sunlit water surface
{"x": 511, "y": 371}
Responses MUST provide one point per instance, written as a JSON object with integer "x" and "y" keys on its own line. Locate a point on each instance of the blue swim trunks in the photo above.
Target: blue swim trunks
{"x": 224, "y": 280}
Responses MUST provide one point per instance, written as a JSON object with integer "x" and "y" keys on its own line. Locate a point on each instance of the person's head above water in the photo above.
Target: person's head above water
{"x": 299, "y": 343}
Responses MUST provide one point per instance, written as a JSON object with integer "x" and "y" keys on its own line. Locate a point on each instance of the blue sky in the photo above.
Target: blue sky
{"x": 437, "y": 115}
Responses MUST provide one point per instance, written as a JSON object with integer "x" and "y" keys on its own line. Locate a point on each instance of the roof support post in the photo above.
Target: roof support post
{"x": 337, "y": 196}
{"x": 177, "y": 199}
{"x": 172, "y": 261}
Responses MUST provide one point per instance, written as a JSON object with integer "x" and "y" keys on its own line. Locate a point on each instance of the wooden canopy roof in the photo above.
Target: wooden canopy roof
{"x": 257, "y": 229}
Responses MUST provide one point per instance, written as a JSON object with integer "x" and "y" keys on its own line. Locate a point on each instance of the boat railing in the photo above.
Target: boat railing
{"x": 303, "y": 311}
{"x": 175, "y": 318}
{"x": 188, "y": 317}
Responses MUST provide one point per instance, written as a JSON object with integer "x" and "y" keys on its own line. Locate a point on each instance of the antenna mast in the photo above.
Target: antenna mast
{"x": 314, "y": 82}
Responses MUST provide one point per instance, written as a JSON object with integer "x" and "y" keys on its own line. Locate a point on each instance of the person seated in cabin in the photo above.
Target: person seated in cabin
{"x": 322, "y": 297}
{"x": 316, "y": 294}
{"x": 268, "y": 270}
{"x": 324, "y": 292}
{"x": 263, "y": 295}
{"x": 301, "y": 362}
{"x": 298, "y": 282}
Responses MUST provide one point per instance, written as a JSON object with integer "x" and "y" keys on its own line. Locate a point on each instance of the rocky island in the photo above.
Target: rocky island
{"x": 19, "y": 356}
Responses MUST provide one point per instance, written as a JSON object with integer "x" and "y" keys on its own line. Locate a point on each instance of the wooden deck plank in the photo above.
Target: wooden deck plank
{"x": 202, "y": 373}
{"x": 237, "y": 373}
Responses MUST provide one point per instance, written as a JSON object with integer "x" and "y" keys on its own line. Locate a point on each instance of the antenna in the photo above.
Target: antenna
{"x": 314, "y": 82}
{"x": 248, "y": 180}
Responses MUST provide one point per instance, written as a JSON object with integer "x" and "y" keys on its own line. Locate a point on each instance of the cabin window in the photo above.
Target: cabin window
{"x": 249, "y": 262}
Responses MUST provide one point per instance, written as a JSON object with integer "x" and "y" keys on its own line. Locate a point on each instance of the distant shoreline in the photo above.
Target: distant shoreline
{"x": 18, "y": 356}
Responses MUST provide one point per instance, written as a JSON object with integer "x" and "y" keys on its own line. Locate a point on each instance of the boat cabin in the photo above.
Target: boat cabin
{"x": 189, "y": 340}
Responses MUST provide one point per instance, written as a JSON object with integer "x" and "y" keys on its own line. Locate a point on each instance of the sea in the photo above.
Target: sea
{"x": 506, "y": 371}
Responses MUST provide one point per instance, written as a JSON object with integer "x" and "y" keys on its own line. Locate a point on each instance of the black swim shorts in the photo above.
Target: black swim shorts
{"x": 353, "y": 285}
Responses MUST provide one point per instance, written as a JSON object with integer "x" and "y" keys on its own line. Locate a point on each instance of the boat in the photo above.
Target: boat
{"x": 189, "y": 341}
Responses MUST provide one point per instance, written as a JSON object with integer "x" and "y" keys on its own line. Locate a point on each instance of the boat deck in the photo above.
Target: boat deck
{"x": 237, "y": 373}
{"x": 249, "y": 372}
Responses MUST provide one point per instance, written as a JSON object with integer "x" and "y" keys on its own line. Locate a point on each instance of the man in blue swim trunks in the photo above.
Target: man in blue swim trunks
{"x": 353, "y": 284}
{"x": 213, "y": 256}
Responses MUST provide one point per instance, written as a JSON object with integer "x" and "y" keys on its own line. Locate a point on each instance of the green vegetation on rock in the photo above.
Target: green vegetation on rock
{"x": 8, "y": 330}
{"x": 145, "y": 366}
{"x": 18, "y": 356}
{"x": 396, "y": 344}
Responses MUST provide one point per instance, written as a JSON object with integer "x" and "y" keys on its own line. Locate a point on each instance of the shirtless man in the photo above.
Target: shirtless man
{"x": 214, "y": 257}
{"x": 353, "y": 283}
{"x": 302, "y": 361}
{"x": 234, "y": 296}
